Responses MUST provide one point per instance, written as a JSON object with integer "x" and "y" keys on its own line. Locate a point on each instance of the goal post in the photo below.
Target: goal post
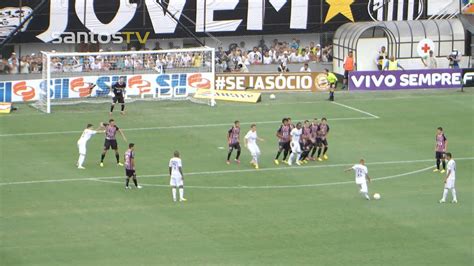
{"x": 177, "y": 74}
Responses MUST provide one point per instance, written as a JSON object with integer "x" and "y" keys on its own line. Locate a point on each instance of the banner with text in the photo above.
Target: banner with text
{"x": 409, "y": 79}
{"x": 158, "y": 85}
{"x": 272, "y": 82}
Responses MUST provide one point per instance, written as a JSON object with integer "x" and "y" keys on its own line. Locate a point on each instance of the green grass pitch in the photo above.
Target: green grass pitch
{"x": 54, "y": 214}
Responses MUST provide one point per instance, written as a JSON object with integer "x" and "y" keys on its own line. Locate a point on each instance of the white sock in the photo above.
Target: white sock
{"x": 255, "y": 159}
{"x": 445, "y": 194}
{"x": 299, "y": 157}
{"x": 453, "y": 191}
{"x": 81, "y": 160}
{"x": 181, "y": 193}
{"x": 173, "y": 190}
{"x": 292, "y": 155}
{"x": 366, "y": 195}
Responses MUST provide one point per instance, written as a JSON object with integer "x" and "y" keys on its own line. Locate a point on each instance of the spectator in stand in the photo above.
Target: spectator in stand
{"x": 3, "y": 65}
{"x": 267, "y": 58}
{"x": 157, "y": 46}
{"x": 255, "y": 57}
{"x": 294, "y": 44}
{"x": 430, "y": 61}
{"x": 392, "y": 64}
{"x": 262, "y": 46}
{"x": 305, "y": 68}
{"x": 24, "y": 65}
{"x": 282, "y": 68}
{"x": 242, "y": 68}
{"x": 349, "y": 65}
{"x": 197, "y": 60}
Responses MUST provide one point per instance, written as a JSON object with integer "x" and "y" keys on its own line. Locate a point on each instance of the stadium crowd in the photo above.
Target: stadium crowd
{"x": 235, "y": 58}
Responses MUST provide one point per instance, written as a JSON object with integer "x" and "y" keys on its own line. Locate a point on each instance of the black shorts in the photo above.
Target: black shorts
{"x": 110, "y": 143}
{"x": 284, "y": 145}
{"x": 234, "y": 146}
{"x": 118, "y": 99}
{"x": 129, "y": 173}
{"x": 439, "y": 155}
{"x": 324, "y": 142}
{"x": 346, "y": 74}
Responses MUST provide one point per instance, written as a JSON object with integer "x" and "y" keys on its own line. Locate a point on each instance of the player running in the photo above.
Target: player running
{"x": 295, "y": 144}
{"x": 450, "y": 180}
{"x": 440, "y": 148}
{"x": 251, "y": 144}
{"x": 361, "y": 177}
{"x": 111, "y": 142}
{"x": 314, "y": 138}
{"x": 233, "y": 139}
{"x": 82, "y": 144}
{"x": 283, "y": 135}
{"x": 130, "y": 167}
{"x": 323, "y": 131}
{"x": 118, "y": 89}
{"x": 176, "y": 177}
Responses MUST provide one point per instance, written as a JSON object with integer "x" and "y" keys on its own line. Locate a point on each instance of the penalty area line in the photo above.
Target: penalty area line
{"x": 357, "y": 110}
{"x": 222, "y": 172}
{"x": 276, "y": 187}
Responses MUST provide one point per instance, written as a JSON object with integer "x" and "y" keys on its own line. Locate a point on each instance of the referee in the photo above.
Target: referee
{"x": 118, "y": 89}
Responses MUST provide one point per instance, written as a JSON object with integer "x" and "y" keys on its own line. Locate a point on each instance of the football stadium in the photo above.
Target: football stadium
{"x": 227, "y": 132}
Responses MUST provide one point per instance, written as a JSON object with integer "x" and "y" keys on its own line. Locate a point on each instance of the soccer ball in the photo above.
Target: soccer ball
{"x": 272, "y": 97}
{"x": 377, "y": 196}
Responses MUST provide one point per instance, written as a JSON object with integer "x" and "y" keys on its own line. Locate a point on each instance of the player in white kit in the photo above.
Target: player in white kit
{"x": 176, "y": 176}
{"x": 295, "y": 144}
{"x": 251, "y": 144}
{"x": 450, "y": 179}
{"x": 82, "y": 144}
{"x": 361, "y": 177}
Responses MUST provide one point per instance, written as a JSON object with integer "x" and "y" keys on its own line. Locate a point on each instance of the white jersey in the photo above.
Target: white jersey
{"x": 296, "y": 135}
{"x": 361, "y": 172}
{"x": 86, "y": 135}
{"x": 452, "y": 169}
{"x": 175, "y": 164}
{"x": 251, "y": 138}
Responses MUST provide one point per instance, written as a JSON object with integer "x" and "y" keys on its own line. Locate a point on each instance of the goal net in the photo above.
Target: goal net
{"x": 72, "y": 78}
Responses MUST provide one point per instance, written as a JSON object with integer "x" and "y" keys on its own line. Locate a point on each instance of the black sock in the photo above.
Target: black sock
{"x": 438, "y": 162}
{"x": 123, "y": 107}
{"x": 319, "y": 151}
{"x": 285, "y": 154}
{"x": 117, "y": 156}
{"x": 278, "y": 154}
{"x": 112, "y": 108}
{"x": 238, "y": 154}
{"x": 229, "y": 154}
{"x": 325, "y": 150}
{"x": 127, "y": 180}
{"x": 135, "y": 181}
{"x": 102, "y": 157}
{"x": 313, "y": 151}
{"x": 304, "y": 155}
{"x": 444, "y": 164}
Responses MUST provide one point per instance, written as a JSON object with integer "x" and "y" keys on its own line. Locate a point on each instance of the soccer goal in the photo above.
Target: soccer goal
{"x": 72, "y": 78}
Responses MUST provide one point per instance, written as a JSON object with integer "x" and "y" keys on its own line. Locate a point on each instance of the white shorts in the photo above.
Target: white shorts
{"x": 176, "y": 181}
{"x": 363, "y": 187}
{"x": 450, "y": 183}
{"x": 82, "y": 148}
{"x": 254, "y": 150}
{"x": 295, "y": 147}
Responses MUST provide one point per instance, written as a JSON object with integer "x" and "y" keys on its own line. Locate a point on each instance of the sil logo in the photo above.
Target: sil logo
{"x": 26, "y": 92}
{"x": 137, "y": 82}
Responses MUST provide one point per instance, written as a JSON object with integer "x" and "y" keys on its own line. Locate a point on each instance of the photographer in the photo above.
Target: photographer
{"x": 454, "y": 59}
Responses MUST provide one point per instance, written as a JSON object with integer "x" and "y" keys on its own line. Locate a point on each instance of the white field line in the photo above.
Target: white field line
{"x": 173, "y": 127}
{"x": 220, "y": 172}
{"x": 355, "y": 109}
{"x": 278, "y": 187}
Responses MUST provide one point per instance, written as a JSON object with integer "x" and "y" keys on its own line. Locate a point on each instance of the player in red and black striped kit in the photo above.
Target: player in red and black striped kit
{"x": 118, "y": 89}
{"x": 323, "y": 131}
{"x": 283, "y": 135}
{"x": 233, "y": 139}
{"x": 440, "y": 149}
{"x": 111, "y": 141}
